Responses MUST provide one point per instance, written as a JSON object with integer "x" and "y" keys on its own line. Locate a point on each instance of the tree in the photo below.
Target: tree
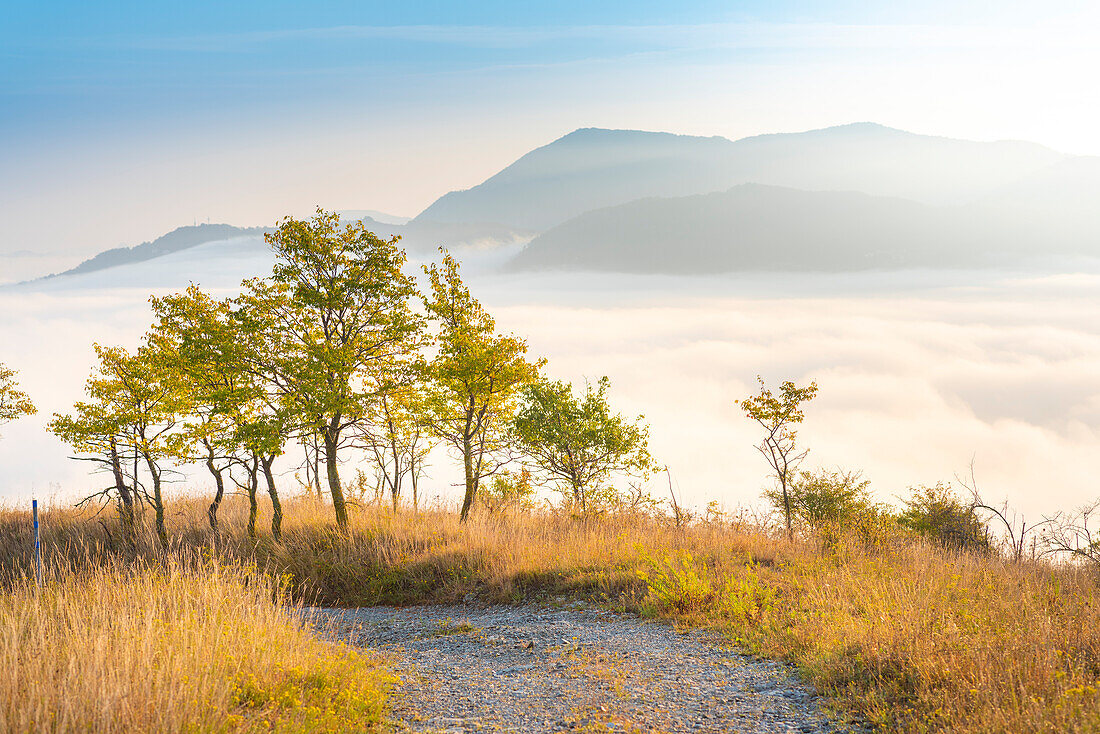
{"x": 1016, "y": 528}
{"x": 778, "y": 415}
{"x": 97, "y": 431}
{"x": 824, "y": 497}
{"x": 132, "y": 408}
{"x": 579, "y": 443}
{"x": 14, "y": 403}
{"x": 194, "y": 337}
{"x": 329, "y": 325}
{"x": 262, "y": 431}
{"x": 476, "y": 375}
{"x": 398, "y": 438}
{"x": 145, "y": 398}
{"x": 938, "y": 514}
{"x": 1074, "y": 535}
{"x": 234, "y": 416}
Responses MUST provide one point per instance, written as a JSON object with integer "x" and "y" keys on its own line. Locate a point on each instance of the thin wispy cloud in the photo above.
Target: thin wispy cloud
{"x": 695, "y": 36}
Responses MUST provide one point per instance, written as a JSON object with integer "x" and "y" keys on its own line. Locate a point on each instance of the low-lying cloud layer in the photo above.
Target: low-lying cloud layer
{"x": 915, "y": 380}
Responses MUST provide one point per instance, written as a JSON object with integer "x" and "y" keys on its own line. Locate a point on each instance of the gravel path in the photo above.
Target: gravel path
{"x": 533, "y": 669}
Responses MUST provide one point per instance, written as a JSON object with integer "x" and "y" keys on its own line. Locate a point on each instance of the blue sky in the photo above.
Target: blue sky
{"x": 124, "y": 120}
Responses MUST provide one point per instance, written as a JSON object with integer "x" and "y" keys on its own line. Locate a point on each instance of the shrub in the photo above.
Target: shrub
{"x": 680, "y": 586}
{"x": 747, "y": 600}
{"x": 825, "y": 497}
{"x": 938, "y": 514}
{"x": 508, "y": 491}
{"x": 676, "y": 585}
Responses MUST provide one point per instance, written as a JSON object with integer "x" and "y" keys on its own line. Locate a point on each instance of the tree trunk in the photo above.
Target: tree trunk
{"x": 317, "y": 469}
{"x": 786, "y": 505}
{"x": 395, "y": 486}
{"x": 471, "y": 480}
{"x": 158, "y": 500}
{"x": 252, "y": 468}
{"x": 219, "y": 483}
{"x": 253, "y": 483}
{"x": 140, "y": 498}
{"x": 276, "y": 506}
{"x": 125, "y": 500}
{"x": 313, "y": 464}
{"x": 332, "y": 440}
{"x": 413, "y": 476}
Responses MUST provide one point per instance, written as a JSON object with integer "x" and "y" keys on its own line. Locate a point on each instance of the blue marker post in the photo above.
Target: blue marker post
{"x": 37, "y": 547}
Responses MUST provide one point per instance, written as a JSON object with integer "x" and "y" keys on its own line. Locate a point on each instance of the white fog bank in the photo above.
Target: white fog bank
{"x": 918, "y": 373}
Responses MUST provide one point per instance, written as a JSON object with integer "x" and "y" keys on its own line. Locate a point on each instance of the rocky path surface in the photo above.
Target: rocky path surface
{"x": 533, "y": 669}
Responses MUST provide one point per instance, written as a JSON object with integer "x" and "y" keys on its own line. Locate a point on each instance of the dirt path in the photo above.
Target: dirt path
{"x": 528, "y": 669}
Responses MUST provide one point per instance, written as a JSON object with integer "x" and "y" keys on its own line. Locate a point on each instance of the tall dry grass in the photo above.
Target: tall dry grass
{"x": 906, "y": 636}
{"x": 173, "y": 648}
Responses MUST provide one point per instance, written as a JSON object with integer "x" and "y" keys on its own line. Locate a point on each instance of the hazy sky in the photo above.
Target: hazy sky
{"x": 122, "y": 120}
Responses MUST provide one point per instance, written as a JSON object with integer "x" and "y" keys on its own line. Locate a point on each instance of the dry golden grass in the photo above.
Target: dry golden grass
{"x": 906, "y": 636}
{"x": 167, "y": 649}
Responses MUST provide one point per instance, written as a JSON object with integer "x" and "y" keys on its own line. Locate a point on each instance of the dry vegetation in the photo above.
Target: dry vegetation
{"x": 905, "y": 635}
{"x": 171, "y": 648}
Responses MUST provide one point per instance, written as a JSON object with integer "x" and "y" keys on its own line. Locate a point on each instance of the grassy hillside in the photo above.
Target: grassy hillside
{"x": 905, "y": 635}
{"x": 171, "y": 647}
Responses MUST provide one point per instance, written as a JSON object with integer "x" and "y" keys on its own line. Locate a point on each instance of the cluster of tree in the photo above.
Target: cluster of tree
{"x": 339, "y": 351}
{"x": 827, "y": 502}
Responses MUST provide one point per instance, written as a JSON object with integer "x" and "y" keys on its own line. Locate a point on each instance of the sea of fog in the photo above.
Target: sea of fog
{"x": 919, "y": 373}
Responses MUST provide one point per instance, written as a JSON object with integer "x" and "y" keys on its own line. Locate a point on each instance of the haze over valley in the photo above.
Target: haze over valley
{"x": 547, "y": 367}
{"x": 853, "y": 197}
{"x": 941, "y": 292}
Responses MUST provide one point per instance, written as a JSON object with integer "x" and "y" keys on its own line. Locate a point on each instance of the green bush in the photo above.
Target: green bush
{"x": 509, "y": 491}
{"x": 676, "y": 585}
{"x": 825, "y": 498}
{"x": 938, "y": 514}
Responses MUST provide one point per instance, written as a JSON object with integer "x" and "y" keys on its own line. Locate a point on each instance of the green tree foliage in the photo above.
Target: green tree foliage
{"x": 398, "y": 438}
{"x": 476, "y": 376}
{"x": 14, "y": 403}
{"x": 825, "y": 497}
{"x": 99, "y": 432}
{"x": 938, "y": 514}
{"x": 509, "y": 491}
{"x": 579, "y": 443}
{"x": 330, "y": 351}
{"x": 778, "y": 415}
{"x": 331, "y": 328}
{"x": 194, "y": 337}
{"x": 234, "y": 417}
{"x": 134, "y": 401}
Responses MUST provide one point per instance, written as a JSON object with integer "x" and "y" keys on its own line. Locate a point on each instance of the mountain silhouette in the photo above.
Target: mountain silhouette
{"x": 595, "y": 168}
{"x": 755, "y": 227}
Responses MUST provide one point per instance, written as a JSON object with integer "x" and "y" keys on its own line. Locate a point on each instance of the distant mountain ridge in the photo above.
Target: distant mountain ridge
{"x": 752, "y": 227}
{"x": 594, "y": 168}
{"x": 425, "y": 236}
{"x": 181, "y": 238}
{"x": 848, "y": 197}
{"x": 417, "y": 237}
